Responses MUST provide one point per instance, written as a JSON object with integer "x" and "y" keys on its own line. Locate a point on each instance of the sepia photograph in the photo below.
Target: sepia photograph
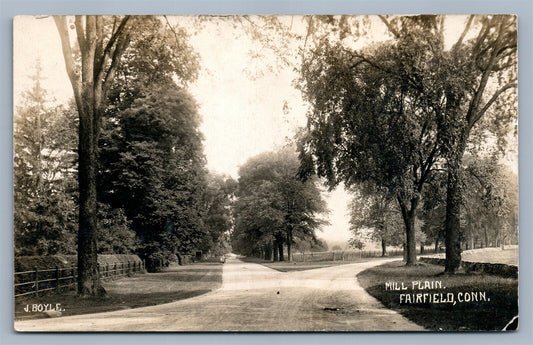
{"x": 265, "y": 173}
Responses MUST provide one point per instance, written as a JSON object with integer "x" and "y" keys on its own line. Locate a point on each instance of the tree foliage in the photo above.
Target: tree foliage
{"x": 389, "y": 112}
{"x": 153, "y": 168}
{"x": 44, "y": 175}
{"x": 490, "y": 203}
{"x": 101, "y": 44}
{"x": 377, "y": 213}
{"x": 273, "y": 207}
{"x": 217, "y": 217}
{"x": 368, "y": 124}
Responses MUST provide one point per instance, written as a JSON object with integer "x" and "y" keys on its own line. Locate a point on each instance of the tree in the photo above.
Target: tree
{"x": 478, "y": 75}
{"x": 376, "y": 212}
{"x": 274, "y": 207}
{"x": 99, "y": 47}
{"x": 157, "y": 171}
{"x": 217, "y": 216}
{"x": 490, "y": 203}
{"x": 367, "y": 124}
{"x": 44, "y": 175}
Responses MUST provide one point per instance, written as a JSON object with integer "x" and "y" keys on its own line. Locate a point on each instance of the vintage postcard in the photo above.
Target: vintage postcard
{"x": 338, "y": 173}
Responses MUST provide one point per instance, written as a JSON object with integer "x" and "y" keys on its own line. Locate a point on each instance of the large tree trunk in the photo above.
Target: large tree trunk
{"x": 88, "y": 279}
{"x": 383, "y": 247}
{"x": 411, "y": 241}
{"x": 408, "y": 216}
{"x": 280, "y": 249}
{"x": 275, "y": 251}
{"x": 453, "y": 213}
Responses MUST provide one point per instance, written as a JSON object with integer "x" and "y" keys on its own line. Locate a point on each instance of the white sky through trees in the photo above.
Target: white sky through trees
{"x": 248, "y": 104}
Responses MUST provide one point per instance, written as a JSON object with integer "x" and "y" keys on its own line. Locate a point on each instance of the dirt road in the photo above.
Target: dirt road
{"x": 254, "y": 298}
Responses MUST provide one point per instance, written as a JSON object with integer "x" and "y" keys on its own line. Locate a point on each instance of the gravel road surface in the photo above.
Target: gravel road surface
{"x": 253, "y": 298}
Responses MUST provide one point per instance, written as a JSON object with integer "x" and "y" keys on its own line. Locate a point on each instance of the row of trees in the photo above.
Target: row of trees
{"x": 395, "y": 113}
{"x": 122, "y": 169}
{"x": 274, "y": 209}
{"x": 489, "y": 210}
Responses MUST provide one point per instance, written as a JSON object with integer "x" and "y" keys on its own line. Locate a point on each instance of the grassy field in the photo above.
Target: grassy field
{"x": 508, "y": 256}
{"x": 285, "y": 266}
{"x": 174, "y": 283}
{"x": 492, "y": 313}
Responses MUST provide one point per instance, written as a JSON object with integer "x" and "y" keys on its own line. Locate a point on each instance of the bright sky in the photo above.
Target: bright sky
{"x": 242, "y": 115}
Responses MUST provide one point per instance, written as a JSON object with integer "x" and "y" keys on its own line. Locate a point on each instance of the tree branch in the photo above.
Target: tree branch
{"x": 493, "y": 99}
{"x": 389, "y": 26}
{"x": 463, "y": 34}
{"x": 80, "y": 32}
{"x": 61, "y": 24}
{"x": 117, "y": 54}
{"x": 99, "y": 46}
{"x": 107, "y": 50}
{"x": 174, "y": 31}
{"x": 474, "y": 103}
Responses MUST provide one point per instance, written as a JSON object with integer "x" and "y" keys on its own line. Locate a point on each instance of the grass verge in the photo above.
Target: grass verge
{"x": 286, "y": 266}
{"x": 496, "y": 305}
{"x": 141, "y": 290}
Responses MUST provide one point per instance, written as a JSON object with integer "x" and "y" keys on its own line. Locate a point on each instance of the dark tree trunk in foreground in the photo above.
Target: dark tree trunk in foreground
{"x": 452, "y": 224}
{"x": 383, "y": 247}
{"x": 88, "y": 278}
{"x": 275, "y": 251}
{"x": 280, "y": 249}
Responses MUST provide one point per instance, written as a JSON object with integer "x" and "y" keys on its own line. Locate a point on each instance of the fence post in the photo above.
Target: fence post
{"x": 129, "y": 268}
{"x": 115, "y": 270}
{"x": 106, "y": 269}
{"x": 73, "y": 276}
{"x": 57, "y": 277}
{"x": 36, "y": 282}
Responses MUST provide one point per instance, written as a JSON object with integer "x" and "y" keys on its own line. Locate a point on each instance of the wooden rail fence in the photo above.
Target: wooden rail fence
{"x": 37, "y": 281}
{"x": 348, "y": 255}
